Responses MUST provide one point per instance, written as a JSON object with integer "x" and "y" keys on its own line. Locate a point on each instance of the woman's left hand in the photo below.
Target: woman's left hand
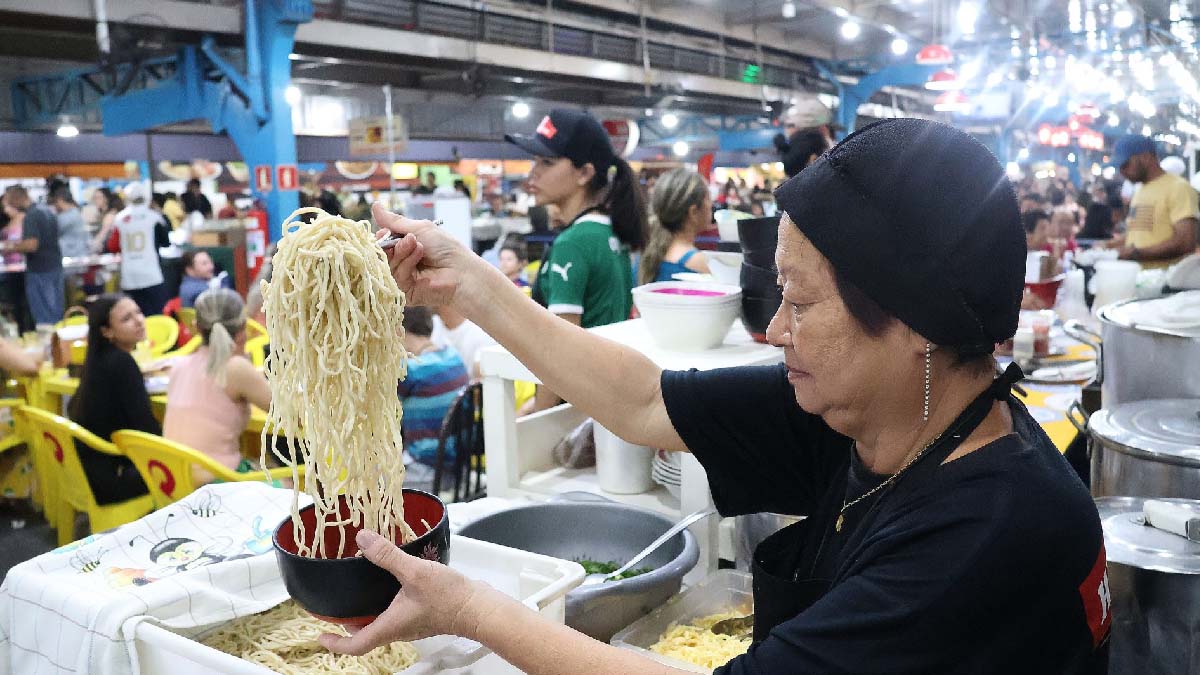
{"x": 433, "y": 600}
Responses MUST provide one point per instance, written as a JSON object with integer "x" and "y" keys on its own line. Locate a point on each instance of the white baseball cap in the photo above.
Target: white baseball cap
{"x": 808, "y": 113}
{"x": 135, "y": 192}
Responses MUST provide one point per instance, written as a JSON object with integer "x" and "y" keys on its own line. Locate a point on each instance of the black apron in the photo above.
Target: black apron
{"x": 783, "y": 586}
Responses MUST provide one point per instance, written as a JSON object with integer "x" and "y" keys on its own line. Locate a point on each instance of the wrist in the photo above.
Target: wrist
{"x": 477, "y": 612}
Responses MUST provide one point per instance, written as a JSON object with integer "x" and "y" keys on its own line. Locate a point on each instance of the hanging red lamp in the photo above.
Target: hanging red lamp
{"x": 935, "y": 55}
{"x": 944, "y": 80}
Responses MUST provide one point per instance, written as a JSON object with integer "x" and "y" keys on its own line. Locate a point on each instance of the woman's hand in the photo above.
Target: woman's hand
{"x": 429, "y": 265}
{"x": 433, "y": 600}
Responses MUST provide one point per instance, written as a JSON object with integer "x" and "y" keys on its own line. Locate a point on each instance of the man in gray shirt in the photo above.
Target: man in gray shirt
{"x": 43, "y": 259}
{"x": 73, "y": 238}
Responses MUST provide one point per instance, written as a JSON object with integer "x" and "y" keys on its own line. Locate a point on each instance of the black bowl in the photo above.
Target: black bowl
{"x": 758, "y": 280}
{"x": 757, "y": 313}
{"x": 351, "y": 590}
{"x": 758, "y": 234}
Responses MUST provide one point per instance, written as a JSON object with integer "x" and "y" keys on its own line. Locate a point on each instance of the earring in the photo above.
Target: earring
{"x": 928, "y": 378}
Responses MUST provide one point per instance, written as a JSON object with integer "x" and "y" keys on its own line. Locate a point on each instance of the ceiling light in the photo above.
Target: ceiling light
{"x": 1096, "y": 170}
{"x": 968, "y": 14}
{"x": 1123, "y": 18}
{"x": 67, "y": 130}
{"x": 1013, "y": 170}
{"x": 789, "y": 10}
{"x": 670, "y": 120}
{"x": 520, "y": 110}
{"x": 1113, "y": 120}
{"x": 840, "y": 12}
{"x": 943, "y": 80}
{"x": 649, "y": 112}
{"x": 681, "y": 148}
{"x": 899, "y": 46}
{"x": 1023, "y": 154}
{"x": 1146, "y": 130}
{"x": 292, "y": 95}
{"x": 851, "y": 29}
{"x": 1070, "y": 157}
{"x": 953, "y": 102}
{"x": 1051, "y": 62}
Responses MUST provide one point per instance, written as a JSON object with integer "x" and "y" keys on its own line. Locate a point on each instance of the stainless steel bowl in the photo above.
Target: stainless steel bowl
{"x": 597, "y": 531}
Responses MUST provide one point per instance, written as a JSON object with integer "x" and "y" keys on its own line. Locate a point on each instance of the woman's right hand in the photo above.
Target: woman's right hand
{"x": 428, "y": 264}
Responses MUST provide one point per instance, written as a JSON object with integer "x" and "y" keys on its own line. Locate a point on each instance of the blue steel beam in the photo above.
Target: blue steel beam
{"x": 253, "y": 110}
{"x": 852, "y": 96}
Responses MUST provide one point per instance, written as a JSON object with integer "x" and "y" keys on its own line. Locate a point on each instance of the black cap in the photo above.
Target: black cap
{"x": 920, "y": 216}
{"x": 573, "y": 134}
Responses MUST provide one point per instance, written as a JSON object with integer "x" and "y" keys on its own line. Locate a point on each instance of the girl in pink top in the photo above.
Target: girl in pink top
{"x": 211, "y": 390}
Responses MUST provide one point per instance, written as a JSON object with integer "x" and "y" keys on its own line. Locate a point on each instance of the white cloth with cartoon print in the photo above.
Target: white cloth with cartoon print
{"x": 205, "y": 559}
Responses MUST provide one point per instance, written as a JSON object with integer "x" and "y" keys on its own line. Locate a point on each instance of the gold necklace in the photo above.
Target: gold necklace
{"x": 841, "y": 519}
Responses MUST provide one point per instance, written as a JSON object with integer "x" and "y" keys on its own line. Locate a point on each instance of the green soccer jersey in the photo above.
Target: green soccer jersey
{"x": 588, "y": 272}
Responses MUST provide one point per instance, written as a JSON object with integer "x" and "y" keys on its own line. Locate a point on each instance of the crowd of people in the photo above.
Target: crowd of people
{"x": 614, "y": 231}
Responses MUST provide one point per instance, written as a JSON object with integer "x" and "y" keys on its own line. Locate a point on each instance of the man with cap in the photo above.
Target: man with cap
{"x": 138, "y": 234}
{"x": 944, "y": 531}
{"x": 1161, "y": 225}
{"x": 806, "y": 134}
{"x": 43, "y": 257}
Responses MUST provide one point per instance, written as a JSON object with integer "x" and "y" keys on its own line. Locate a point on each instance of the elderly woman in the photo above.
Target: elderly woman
{"x": 944, "y": 532}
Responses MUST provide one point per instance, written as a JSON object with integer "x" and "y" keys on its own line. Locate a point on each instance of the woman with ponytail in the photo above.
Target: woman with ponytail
{"x": 586, "y": 275}
{"x": 209, "y": 396}
{"x": 682, "y": 209}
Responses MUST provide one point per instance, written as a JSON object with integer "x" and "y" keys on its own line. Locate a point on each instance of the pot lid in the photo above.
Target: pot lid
{"x": 1177, "y": 314}
{"x": 1128, "y": 540}
{"x": 1166, "y": 429}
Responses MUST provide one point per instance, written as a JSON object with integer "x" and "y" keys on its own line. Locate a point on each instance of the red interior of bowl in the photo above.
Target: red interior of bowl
{"x": 1046, "y": 291}
{"x": 417, "y": 507}
{"x": 688, "y": 291}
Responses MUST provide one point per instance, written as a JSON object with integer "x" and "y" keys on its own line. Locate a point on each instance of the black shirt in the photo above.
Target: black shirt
{"x": 196, "y": 202}
{"x": 41, "y": 224}
{"x": 993, "y": 564}
{"x": 113, "y": 397}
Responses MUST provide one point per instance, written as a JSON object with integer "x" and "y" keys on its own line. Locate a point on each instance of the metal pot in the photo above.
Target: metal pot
{"x": 1154, "y": 586}
{"x": 1146, "y": 449}
{"x": 1140, "y": 363}
{"x": 597, "y": 531}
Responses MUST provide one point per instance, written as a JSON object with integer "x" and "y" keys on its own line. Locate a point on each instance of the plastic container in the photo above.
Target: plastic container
{"x": 539, "y": 581}
{"x": 722, "y": 591}
{"x": 688, "y": 317}
{"x": 1115, "y": 280}
{"x": 622, "y": 468}
{"x": 726, "y": 268}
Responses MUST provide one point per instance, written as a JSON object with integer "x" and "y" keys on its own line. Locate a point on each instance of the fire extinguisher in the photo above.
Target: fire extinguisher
{"x": 256, "y": 239}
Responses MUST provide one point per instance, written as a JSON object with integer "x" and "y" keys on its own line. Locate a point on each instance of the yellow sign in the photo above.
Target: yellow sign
{"x": 368, "y": 135}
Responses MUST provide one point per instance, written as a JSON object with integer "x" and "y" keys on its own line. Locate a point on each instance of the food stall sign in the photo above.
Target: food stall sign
{"x": 368, "y": 135}
{"x": 287, "y": 177}
{"x": 262, "y": 177}
{"x": 1055, "y": 137}
{"x": 1091, "y": 140}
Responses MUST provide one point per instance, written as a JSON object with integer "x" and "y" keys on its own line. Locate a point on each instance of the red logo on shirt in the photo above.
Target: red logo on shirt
{"x": 1097, "y": 601}
{"x": 546, "y": 128}
{"x": 127, "y": 219}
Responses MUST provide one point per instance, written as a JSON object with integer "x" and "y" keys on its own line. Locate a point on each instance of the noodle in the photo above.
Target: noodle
{"x": 695, "y": 643}
{"x": 335, "y": 316}
{"x": 284, "y": 639}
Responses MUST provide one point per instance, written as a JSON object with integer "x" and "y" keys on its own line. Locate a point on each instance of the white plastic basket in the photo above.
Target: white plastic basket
{"x": 539, "y": 581}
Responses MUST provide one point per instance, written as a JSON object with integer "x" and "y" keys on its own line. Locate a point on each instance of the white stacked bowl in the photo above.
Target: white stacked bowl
{"x": 726, "y": 267}
{"x": 688, "y": 316}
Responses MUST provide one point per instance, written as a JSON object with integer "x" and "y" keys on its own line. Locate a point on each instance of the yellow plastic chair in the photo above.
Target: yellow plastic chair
{"x": 162, "y": 332}
{"x": 254, "y": 329}
{"x": 187, "y": 318}
{"x": 531, "y": 270}
{"x": 188, "y": 347}
{"x": 256, "y": 349}
{"x": 56, "y": 437}
{"x": 166, "y": 466}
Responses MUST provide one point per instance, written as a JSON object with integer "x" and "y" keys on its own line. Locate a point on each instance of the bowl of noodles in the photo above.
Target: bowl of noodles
{"x": 332, "y": 581}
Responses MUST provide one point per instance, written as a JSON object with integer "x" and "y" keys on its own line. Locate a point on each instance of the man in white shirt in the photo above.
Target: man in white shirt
{"x": 453, "y": 329}
{"x": 142, "y": 231}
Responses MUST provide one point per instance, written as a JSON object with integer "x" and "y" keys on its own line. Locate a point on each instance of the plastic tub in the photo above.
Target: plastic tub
{"x": 622, "y": 468}
{"x": 722, "y": 591}
{"x": 539, "y": 581}
{"x": 688, "y": 317}
{"x": 725, "y": 267}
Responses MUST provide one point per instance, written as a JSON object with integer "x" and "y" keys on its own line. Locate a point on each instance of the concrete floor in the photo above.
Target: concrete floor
{"x": 24, "y": 534}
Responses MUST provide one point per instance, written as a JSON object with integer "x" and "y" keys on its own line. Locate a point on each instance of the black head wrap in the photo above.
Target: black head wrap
{"x": 919, "y": 216}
